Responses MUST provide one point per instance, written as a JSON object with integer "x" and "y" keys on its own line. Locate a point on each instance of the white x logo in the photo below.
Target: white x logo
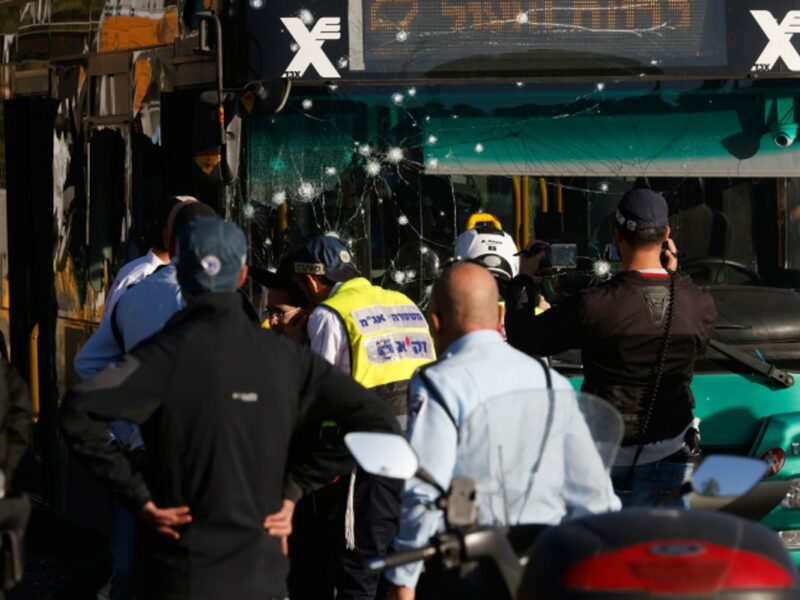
{"x": 780, "y": 40}
{"x": 310, "y": 46}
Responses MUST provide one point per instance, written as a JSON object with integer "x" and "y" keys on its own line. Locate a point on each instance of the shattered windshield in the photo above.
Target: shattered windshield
{"x": 396, "y": 171}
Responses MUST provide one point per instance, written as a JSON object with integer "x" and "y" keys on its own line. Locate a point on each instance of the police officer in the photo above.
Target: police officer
{"x": 464, "y": 385}
{"x": 639, "y": 335}
{"x": 379, "y": 337}
{"x": 219, "y": 401}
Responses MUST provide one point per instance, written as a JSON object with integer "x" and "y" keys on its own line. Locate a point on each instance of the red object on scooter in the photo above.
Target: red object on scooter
{"x": 656, "y": 553}
{"x": 678, "y": 567}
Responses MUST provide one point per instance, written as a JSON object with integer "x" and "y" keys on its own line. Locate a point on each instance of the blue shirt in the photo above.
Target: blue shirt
{"x": 498, "y": 402}
{"x": 142, "y": 310}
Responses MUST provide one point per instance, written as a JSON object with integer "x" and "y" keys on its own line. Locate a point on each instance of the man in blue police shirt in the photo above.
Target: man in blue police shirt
{"x": 475, "y": 373}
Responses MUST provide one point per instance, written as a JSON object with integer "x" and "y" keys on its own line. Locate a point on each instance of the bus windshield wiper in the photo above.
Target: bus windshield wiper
{"x": 770, "y": 372}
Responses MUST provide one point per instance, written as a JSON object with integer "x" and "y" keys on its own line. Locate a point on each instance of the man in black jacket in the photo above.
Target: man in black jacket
{"x": 218, "y": 400}
{"x": 640, "y": 335}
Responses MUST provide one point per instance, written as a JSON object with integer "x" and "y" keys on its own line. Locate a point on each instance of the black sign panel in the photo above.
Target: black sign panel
{"x": 510, "y": 39}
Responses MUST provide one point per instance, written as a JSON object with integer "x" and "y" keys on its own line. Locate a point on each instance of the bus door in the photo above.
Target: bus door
{"x": 29, "y": 142}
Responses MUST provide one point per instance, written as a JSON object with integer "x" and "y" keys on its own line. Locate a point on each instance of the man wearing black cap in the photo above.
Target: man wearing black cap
{"x": 381, "y": 338}
{"x": 218, "y": 400}
{"x": 640, "y": 335}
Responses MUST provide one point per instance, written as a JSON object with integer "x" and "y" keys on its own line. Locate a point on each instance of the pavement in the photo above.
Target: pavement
{"x": 62, "y": 562}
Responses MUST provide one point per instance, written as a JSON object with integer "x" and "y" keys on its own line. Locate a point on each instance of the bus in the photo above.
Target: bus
{"x": 389, "y": 123}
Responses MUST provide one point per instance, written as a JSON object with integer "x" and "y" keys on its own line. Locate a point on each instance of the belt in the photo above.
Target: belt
{"x": 683, "y": 456}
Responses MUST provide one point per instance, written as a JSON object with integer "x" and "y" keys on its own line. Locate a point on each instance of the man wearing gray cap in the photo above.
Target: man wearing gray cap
{"x": 640, "y": 335}
{"x": 218, "y": 400}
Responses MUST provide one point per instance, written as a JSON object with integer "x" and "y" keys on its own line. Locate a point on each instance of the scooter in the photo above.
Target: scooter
{"x": 639, "y": 553}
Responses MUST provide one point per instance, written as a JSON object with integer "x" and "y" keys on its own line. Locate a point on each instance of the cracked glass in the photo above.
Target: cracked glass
{"x": 396, "y": 172}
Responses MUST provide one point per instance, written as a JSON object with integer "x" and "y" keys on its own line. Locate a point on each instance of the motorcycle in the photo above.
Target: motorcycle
{"x": 636, "y": 553}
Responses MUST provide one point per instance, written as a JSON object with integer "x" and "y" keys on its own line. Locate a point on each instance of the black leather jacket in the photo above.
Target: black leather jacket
{"x": 619, "y": 326}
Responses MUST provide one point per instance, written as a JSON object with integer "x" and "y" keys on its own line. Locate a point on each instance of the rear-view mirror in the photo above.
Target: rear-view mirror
{"x": 727, "y": 476}
{"x": 383, "y": 454}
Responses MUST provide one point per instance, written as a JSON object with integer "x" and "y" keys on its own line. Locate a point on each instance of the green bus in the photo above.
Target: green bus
{"x": 389, "y": 123}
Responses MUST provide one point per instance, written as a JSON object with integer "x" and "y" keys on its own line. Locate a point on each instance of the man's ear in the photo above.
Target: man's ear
{"x": 307, "y": 285}
{"x": 667, "y": 233}
{"x": 436, "y": 322}
{"x": 242, "y": 276}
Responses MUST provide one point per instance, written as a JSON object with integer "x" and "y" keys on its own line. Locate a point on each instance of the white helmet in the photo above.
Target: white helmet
{"x": 491, "y": 247}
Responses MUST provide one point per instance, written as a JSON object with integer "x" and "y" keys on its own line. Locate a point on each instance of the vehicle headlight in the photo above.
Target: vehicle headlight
{"x": 790, "y": 538}
{"x": 792, "y": 498}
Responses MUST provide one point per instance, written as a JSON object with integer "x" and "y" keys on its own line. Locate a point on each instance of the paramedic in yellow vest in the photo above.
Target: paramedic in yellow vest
{"x": 378, "y": 336}
{"x": 381, "y": 338}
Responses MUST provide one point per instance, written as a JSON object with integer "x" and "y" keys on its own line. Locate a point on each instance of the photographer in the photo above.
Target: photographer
{"x": 640, "y": 335}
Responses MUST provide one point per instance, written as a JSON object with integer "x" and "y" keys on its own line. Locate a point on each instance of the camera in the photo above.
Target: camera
{"x": 556, "y": 256}
{"x": 785, "y": 135}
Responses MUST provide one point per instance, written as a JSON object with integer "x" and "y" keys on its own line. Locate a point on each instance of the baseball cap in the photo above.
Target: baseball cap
{"x": 211, "y": 253}
{"x": 324, "y": 255}
{"x": 490, "y": 247}
{"x": 642, "y": 209}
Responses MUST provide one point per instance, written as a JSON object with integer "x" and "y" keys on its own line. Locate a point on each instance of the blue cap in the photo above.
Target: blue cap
{"x": 326, "y": 256}
{"x": 642, "y": 209}
{"x": 211, "y": 253}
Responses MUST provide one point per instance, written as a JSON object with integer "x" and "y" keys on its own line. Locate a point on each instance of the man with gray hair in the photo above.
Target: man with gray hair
{"x": 475, "y": 374}
{"x": 218, "y": 400}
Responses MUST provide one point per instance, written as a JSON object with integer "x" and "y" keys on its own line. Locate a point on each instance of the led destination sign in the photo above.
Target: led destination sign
{"x": 511, "y": 39}
{"x": 449, "y": 35}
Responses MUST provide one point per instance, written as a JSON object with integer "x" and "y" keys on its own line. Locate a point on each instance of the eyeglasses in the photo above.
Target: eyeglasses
{"x": 281, "y": 314}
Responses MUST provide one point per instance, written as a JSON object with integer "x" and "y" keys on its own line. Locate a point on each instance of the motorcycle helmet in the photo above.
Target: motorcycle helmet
{"x": 491, "y": 247}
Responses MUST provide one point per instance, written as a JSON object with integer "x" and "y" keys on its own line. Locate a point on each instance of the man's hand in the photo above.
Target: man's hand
{"x": 279, "y": 524}
{"x": 164, "y": 520}
{"x": 669, "y": 256}
{"x": 297, "y": 326}
{"x": 530, "y": 259}
{"x": 401, "y": 593}
{"x": 543, "y": 305}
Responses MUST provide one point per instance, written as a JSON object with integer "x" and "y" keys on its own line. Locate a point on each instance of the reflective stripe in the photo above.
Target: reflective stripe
{"x": 388, "y": 335}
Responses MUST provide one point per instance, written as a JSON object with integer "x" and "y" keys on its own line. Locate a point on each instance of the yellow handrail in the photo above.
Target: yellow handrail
{"x": 545, "y": 199}
{"x": 33, "y": 348}
{"x": 517, "y": 210}
{"x": 526, "y": 211}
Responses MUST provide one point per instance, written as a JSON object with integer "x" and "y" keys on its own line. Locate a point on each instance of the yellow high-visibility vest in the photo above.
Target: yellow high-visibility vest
{"x": 388, "y": 335}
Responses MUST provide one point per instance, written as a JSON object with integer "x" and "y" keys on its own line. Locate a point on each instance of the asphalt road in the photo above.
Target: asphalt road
{"x": 62, "y": 562}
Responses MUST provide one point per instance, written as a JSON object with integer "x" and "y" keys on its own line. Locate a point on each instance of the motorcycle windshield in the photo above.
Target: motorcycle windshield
{"x": 520, "y": 448}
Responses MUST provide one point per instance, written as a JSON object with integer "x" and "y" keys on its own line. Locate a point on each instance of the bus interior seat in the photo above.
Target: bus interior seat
{"x": 701, "y": 231}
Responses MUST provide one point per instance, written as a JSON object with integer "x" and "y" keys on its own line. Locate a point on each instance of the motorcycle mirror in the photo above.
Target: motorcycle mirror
{"x": 727, "y": 476}
{"x": 383, "y": 454}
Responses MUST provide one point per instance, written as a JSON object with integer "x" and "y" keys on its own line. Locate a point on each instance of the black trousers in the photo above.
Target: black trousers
{"x": 320, "y": 562}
